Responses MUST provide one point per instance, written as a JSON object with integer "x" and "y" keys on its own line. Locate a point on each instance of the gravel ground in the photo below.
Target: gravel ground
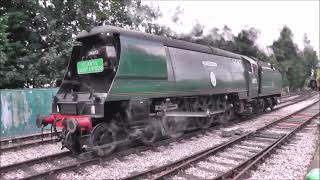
{"x": 37, "y": 168}
{"x": 213, "y": 166}
{"x": 290, "y": 161}
{"x": 216, "y": 158}
{"x": 200, "y": 173}
{"x": 24, "y": 154}
{"x": 232, "y": 155}
{"x": 25, "y": 142}
{"x": 15, "y": 175}
{"x": 257, "y": 143}
{"x": 277, "y": 131}
{"x": 116, "y": 169}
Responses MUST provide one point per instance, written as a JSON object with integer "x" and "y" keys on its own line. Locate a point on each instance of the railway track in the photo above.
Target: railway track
{"x": 287, "y": 102}
{"x": 26, "y": 141}
{"x": 61, "y": 162}
{"x": 66, "y": 160}
{"x": 296, "y": 93}
{"x": 234, "y": 158}
{"x": 39, "y": 139}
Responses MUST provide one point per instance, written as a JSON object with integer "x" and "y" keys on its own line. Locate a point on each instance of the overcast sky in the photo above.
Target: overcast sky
{"x": 267, "y": 16}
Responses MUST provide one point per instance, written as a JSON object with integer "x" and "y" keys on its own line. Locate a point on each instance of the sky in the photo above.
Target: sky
{"x": 268, "y": 17}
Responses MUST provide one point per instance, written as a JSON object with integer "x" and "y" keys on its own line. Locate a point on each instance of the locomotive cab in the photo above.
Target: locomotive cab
{"x": 251, "y": 74}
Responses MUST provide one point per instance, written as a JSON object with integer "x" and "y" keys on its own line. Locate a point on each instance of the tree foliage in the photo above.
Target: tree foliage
{"x": 295, "y": 65}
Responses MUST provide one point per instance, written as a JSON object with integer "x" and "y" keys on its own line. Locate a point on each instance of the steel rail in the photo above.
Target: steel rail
{"x": 6, "y": 168}
{"x": 28, "y": 144}
{"x": 136, "y": 149}
{"x": 262, "y": 154}
{"x": 166, "y": 170}
{"x": 24, "y": 138}
{"x": 9, "y": 167}
{"x": 246, "y": 167}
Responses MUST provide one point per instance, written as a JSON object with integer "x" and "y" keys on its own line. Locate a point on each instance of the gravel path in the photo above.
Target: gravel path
{"x": 120, "y": 168}
{"x": 290, "y": 161}
{"x": 38, "y": 168}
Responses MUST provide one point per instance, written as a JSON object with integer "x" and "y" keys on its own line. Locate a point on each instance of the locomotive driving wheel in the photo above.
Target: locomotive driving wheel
{"x": 204, "y": 123}
{"x": 229, "y": 113}
{"x": 151, "y": 132}
{"x": 221, "y": 104}
{"x": 174, "y": 126}
{"x": 202, "y": 105}
{"x": 101, "y": 135}
{"x": 72, "y": 141}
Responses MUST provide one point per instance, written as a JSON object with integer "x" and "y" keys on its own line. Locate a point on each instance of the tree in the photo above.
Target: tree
{"x": 284, "y": 48}
{"x": 295, "y": 65}
{"x": 309, "y": 55}
{"x": 4, "y": 45}
{"x": 21, "y": 42}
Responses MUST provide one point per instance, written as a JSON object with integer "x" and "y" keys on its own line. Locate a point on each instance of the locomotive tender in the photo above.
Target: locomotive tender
{"x": 125, "y": 85}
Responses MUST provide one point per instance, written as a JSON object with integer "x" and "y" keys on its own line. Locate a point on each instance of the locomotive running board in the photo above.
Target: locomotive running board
{"x": 192, "y": 114}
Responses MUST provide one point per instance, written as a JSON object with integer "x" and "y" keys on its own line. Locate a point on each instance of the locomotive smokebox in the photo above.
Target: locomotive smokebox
{"x": 78, "y": 123}
{"x": 72, "y": 125}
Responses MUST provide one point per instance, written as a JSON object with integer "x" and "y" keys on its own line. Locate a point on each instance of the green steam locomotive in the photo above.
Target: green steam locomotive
{"x": 123, "y": 85}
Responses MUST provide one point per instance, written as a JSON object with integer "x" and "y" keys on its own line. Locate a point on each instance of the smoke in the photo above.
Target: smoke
{"x": 142, "y": 16}
{"x": 175, "y": 18}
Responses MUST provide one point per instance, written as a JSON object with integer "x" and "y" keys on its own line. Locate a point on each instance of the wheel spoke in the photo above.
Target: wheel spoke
{"x": 102, "y": 134}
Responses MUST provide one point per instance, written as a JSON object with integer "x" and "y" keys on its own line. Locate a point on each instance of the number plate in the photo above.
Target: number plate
{"x": 90, "y": 66}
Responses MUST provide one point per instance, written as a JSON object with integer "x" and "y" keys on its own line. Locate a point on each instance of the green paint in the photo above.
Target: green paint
{"x": 90, "y": 66}
{"x": 314, "y": 174}
{"x": 141, "y": 59}
{"x": 143, "y": 73}
{"x": 20, "y": 107}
